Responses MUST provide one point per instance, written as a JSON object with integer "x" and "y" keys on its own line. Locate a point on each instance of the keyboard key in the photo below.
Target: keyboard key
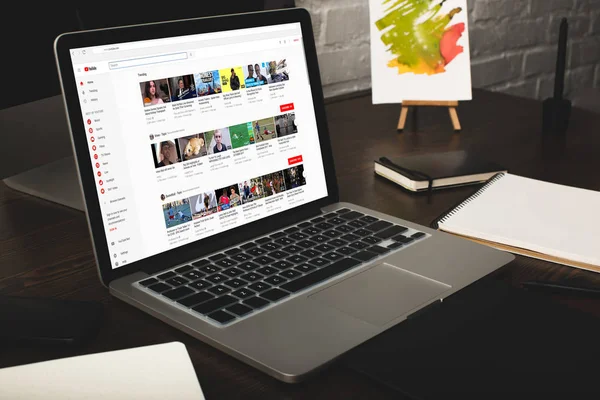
{"x": 159, "y": 287}
{"x": 290, "y": 274}
{"x": 239, "y": 309}
{"x": 297, "y": 259}
{"x": 167, "y": 275}
{"x": 216, "y": 278}
{"x": 259, "y": 286}
{"x": 226, "y": 263}
{"x": 395, "y": 245}
{"x": 364, "y": 255}
{"x": 371, "y": 240}
{"x": 324, "y": 248}
{"x": 311, "y": 230}
{"x": 248, "y": 266}
{"x": 257, "y": 251}
{"x": 148, "y": 282}
{"x": 320, "y": 275}
{"x": 344, "y": 228}
{"x": 346, "y": 250}
{"x": 351, "y": 215}
{"x": 350, "y": 237}
{"x": 369, "y": 219}
{"x": 248, "y": 245}
{"x": 219, "y": 290}
{"x": 217, "y": 257}
{"x": 391, "y": 231}
{"x": 251, "y": 277}
{"x": 235, "y": 283}
{"x": 267, "y": 271}
{"x": 270, "y": 246}
{"x": 256, "y": 302}
{"x": 278, "y": 254}
{"x": 200, "y": 285}
{"x": 324, "y": 226}
{"x": 183, "y": 269}
{"x": 209, "y": 269}
{"x": 304, "y": 225}
{"x": 305, "y": 268}
{"x": 336, "y": 221}
{"x": 264, "y": 260}
{"x": 212, "y": 305}
{"x": 221, "y": 316}
{"x": 282, "y": 264}
{"x": 274, "y": 294}
{"x": 343, "y": 211}
{"x": 406, "y": 240}
{"x": 330, "y": 215}
{"x": 359, "y": 245}
{"x": 193, "y": 275}
{"x": 275, "y": 280}
{"x": 307, "y": 244}
{"x": 177, "y": 293}
{"x": 319, "y": 238}
{"x": 310, "y": 253}
{"x": 418, "y": 235}
{"x": 332, "y": 234}
{"x": 299, "y": 236}
{"x": 357, "y": 224}
{"x": 318, "y": 262}
{"x": 194, "y": 299}
{"x": 243, "y": 293}
{"x": 333, "y": 256}
{"x": 277, "y": 235}
{"x": 362, "y": 232}
{"x": 378, "y": 226}
{"x": 177, "y": 281}
{"x": 234, "y": 251}
{"x": 337, "y": 243}
{"x": 284, "y": 241}
{"x": 200, "y": 263}
{"x": 317, "y": 220}
{"x": 241, "y": 257}
{"x": 263, "y": 240}
{"x": 378, "y": 249}
{"x": 292, "y": 229}
{"x": 233, "y": 272}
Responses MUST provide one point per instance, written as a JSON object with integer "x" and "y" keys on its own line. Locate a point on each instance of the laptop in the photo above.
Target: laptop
{"x": 210, "y": 190}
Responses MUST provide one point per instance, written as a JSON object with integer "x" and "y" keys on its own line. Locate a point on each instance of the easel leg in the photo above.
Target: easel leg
{"x": 415, "y": 119}
{"x": 402, "y": 120}
{"x": 454, "y": 118}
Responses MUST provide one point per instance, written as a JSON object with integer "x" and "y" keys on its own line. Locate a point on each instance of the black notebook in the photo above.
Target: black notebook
{"x": 448, "y": 169}
{"x": 488, "y": 341}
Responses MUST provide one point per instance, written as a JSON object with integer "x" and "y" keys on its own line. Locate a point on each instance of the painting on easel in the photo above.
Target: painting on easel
{"x": 419, "y": 50}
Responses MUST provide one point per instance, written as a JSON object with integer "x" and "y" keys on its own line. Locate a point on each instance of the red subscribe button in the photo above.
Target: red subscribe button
{"x": 286, "y": 107}
{"x": 294, "y": 160}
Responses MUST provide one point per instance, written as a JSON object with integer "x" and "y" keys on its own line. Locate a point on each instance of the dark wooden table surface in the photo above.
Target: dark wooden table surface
{"x": 45, "y": 249}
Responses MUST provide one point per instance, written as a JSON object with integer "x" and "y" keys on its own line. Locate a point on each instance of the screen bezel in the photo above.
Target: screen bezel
{"x": 133, "y": 33}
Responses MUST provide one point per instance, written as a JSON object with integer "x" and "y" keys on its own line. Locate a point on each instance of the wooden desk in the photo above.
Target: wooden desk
{"x": 46, "y": 250}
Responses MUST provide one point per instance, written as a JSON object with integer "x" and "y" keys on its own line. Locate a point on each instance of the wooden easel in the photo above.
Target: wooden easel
{"x": 451, "y": 110}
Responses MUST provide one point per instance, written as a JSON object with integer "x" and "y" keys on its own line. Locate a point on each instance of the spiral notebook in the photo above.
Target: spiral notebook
{"x": 534, "y": 218}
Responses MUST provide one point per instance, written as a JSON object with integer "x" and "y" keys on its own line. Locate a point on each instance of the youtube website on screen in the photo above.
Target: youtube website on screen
{"x": 197, "y": 135}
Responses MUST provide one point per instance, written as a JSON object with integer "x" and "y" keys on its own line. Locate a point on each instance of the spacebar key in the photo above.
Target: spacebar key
{"x": 320, "y": 275}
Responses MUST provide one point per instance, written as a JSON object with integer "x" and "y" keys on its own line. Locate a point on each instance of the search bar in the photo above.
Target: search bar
{"x": 136, "y": 62}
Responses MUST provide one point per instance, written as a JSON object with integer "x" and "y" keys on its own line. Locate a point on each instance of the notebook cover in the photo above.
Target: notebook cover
{"x": 440, "y": 165}
{"x": 488, "y": 341}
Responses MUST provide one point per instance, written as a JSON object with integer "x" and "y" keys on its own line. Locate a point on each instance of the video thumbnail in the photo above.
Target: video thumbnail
{"x": 193, "y": 146}
{"x": 203, "y": 204}
{"x": 182, "y": 87}
{"x": 285, "y": 124}
{"x": 251, "y": 190}
{"x": 232, "y": 79}
{"x": 277, "y": 71}
{"x": 294, "y": 177}
{"x": 264, "y": 129}
{"x": 155, "y": 92}
{"x": 218, "y": 140}
{"x": 177, "y": 212}
{"x": 241, "y": 135}
{"x": 228, "y": 196}
{"x": 165, "y": 153}
{"x": 255, "y": 75}
{"x": 273, "y": 183}
{"x": 207, "y": 83}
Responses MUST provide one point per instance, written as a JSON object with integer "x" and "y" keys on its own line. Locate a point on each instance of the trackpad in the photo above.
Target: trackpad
{"x": 381, "y": 294}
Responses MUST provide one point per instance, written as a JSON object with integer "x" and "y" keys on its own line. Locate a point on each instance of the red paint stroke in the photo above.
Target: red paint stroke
{"x": 448, "y": 45}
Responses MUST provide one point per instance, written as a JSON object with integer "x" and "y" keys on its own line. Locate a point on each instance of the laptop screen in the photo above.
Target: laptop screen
{"x": 196, "y": 135}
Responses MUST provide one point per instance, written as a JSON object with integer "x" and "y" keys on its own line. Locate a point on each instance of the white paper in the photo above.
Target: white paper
{"x": 156, "y": 372}
{"x": 390, "y": 86}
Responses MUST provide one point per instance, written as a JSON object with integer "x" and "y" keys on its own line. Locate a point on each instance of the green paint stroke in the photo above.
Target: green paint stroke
{"x": 413, "y": 31}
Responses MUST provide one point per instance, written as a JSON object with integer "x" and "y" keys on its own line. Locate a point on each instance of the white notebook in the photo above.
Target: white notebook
{"x": 157, "y": 372}
{"x": 534, "y": 218}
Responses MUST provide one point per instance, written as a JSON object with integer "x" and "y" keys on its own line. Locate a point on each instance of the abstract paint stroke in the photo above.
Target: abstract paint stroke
{"x": 419, "y": 37}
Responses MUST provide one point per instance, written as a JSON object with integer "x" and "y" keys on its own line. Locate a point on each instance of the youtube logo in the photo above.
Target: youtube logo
{"x": 89, "y": 121}
{"x": 102, "y": 191}
{"x": 90, "y": 130}
{"x": 86, "y": 69}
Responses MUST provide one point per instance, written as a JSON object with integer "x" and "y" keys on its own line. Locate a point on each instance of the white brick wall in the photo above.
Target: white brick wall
{"x": 513, "y": 44}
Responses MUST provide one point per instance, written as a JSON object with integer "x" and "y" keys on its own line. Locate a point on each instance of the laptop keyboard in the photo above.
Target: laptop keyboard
{"x": 241, "y": 281}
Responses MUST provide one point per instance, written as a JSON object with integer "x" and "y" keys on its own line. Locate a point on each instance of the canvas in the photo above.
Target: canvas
{"x": 419, "y": 50}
